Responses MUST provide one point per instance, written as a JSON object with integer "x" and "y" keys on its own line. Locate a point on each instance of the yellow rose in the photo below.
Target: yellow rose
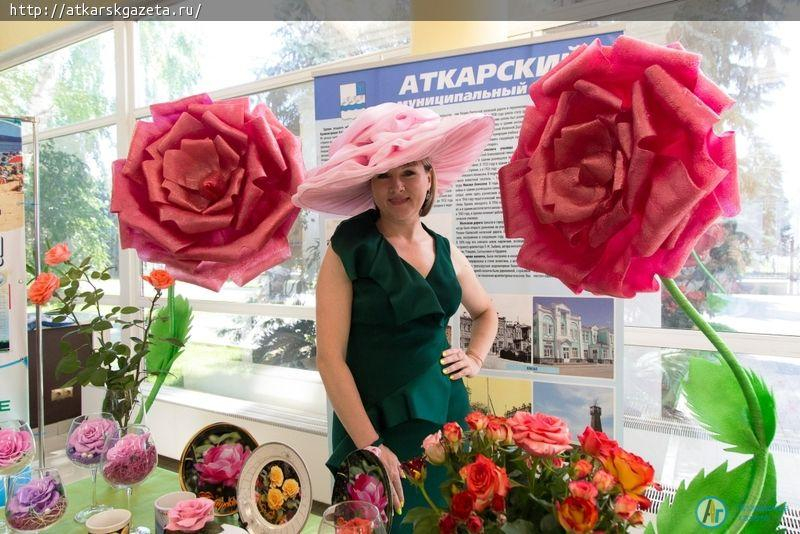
{"x": 274, "y": 499}
{"x": 275, "y": 476}
{"x": 291, "y": 488}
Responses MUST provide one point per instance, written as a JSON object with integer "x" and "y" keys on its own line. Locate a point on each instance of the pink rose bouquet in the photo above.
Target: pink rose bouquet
{"x": 87, "y": 442}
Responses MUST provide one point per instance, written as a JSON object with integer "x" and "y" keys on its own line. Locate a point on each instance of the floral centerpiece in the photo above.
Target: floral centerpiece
{"x": 193, "y": 515}
{"x": 36, "y": 505}
{"x": 130, "y": 460}
{"x": 72, "y": 286}
{"x": 522, "y": 474}
{"x": 85, "y": 445}
{"x": 16, "y": 450}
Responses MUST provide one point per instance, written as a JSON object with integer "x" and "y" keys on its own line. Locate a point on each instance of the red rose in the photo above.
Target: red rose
{"x": 206, "y": 190}
{"x": 462, "y": 504}
{"x": 618, "y": 171}
{"x": 474, "y": 524}
{"x": 485, "y": 480}
{"x": 596, "y": 444}
{"x": 499, "y": 503}
{"x": 447, "y": 524}
{"x": 539, "y": 434}
{"x": 625, "y": 506}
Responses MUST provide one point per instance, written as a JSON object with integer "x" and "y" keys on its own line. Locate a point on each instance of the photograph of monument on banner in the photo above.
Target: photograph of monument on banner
{"x": 578, "y": 405}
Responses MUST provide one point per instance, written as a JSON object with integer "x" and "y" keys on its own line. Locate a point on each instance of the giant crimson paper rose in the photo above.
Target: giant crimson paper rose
{"x": 207, "y": 188}
{"x": 618, "y": 171}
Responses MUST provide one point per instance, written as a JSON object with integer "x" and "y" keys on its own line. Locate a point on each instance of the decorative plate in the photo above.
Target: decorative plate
{"x": 362, "y": 477}
{"x": 274, "y": 490}
{"x": 212, "y": 462}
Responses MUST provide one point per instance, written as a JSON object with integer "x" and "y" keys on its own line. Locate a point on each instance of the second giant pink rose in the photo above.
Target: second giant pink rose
{"x": 206, "y": 190}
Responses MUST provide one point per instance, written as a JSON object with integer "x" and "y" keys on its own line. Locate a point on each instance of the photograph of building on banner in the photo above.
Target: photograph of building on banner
{"x": 578, "y": 405}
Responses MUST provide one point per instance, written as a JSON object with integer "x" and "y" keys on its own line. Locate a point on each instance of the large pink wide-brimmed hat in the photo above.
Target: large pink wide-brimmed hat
{"x": 384, "y": 137}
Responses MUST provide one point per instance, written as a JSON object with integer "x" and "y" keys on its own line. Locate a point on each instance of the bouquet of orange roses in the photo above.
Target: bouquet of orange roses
{"x": 522, "y": 474}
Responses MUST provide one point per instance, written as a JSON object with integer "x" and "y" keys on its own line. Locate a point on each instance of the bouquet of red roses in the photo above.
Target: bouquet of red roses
{"x": 522, "y": 474}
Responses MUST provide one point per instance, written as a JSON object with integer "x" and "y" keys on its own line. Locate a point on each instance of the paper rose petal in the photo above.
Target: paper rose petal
{"x": 618, "y": 172}
{"x": 206, "y": 190}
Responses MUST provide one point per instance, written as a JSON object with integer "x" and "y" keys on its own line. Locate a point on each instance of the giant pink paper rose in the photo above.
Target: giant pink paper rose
{"x": 206, "y": 190}
{"x": 222, "y": 464}
{"x": 618, "y": 171}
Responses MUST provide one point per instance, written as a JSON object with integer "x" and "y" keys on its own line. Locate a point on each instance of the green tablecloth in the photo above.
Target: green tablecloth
{"x": 162, "y": 481}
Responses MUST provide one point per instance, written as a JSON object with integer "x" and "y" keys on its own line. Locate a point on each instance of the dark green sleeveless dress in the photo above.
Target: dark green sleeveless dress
{"x": 397, "y": 335}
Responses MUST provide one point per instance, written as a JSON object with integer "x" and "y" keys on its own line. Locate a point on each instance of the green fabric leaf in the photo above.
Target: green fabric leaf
{"x": 709, "y": 382}
{"x": 767, "y": 403}
{"x": 424, "y": 520}
{"x": 692, "y": 505}
{"x": 162, "y": 353}
{"x": 520, "y": 526}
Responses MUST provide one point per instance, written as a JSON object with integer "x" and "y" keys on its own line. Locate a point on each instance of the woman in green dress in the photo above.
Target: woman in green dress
{"x": 388, "y": 286}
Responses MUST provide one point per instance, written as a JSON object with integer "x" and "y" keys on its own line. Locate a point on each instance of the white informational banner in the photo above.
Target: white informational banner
{"x": 13, "y": 317}
{"x": 556, "y": 352}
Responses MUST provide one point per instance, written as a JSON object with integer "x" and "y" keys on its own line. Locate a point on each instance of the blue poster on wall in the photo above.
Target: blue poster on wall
{"x": 466, "y": 77}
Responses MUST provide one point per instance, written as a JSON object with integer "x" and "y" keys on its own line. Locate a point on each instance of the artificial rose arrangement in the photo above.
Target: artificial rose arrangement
{"x": 522, "y": 474}
{"x": 222, "y": 464}
{"x": 87, "y": 442}
{"x": 129, "y": 460}
{"x": 112, "y": 364}
{"x": 36, "y": 505}
{"x": 193, "y": 515}
{"x": 618, "y": 177}
{"x": 16, "y": 450}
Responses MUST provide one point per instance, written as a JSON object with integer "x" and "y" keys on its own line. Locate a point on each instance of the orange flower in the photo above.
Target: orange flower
{"x": 582, "y": 468}
{"x": 58, "y": 254}
{"x": 41, "y": 290}
{"x": 625, "y": 506}
{"x": 583, "y": 490}
{"x": 604, "y": 481}
{"x": 499, "y": 430}
{"x": 453, "y": 434}
{"x": 159, "y": 279}
{"x": 577, "y": 515}
{"x": 476, "y": 420}
{"x": 634, "y": 474}
{"x": 357, "y": 525}
{"x": 485, "y": 480}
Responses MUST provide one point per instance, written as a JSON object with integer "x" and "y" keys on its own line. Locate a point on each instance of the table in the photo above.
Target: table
{"x": 162, "y": 481}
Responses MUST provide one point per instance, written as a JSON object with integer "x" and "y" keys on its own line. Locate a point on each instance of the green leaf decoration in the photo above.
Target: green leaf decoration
{"x": 707, "y": 384}
{"x": 767, "y": 403}
{"x": 163, "y": 351}
{"x": 717, "y": 500}
{"x": 424, "y": 520}
{"x": 520, "y": 526}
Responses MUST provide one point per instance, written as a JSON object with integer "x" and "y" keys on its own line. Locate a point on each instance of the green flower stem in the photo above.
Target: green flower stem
{"x": 753, "y": 408}
{"x": 162, "y": 373}
{"x": 705, "y": 270}
{"x": 421, "y": 486}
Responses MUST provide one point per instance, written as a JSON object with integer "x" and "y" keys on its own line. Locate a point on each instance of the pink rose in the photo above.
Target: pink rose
{"x": 618, "y": 171}
{"x": 127, "y": 446}
{"x": 191, "y": 515}
{"x": 90, "y": 436}
{"x": 42, "y": 288}
{"x": 625, "y": 506}
{"x": 539, "y": 434}
{"x": 222, "y": 464}
{"x": 206, "y": 190}
{"x": 14, "y": 444}
{"x": 604, "y": 481}
{"x": 57, "y": 254}
{"x": 368, "y": 488}
{"x": 434, "y": 449}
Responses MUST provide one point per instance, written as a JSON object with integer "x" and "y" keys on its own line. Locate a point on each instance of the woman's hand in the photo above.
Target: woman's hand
{"x": 458, "y": 364}
{"x": 392, "y": 465}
